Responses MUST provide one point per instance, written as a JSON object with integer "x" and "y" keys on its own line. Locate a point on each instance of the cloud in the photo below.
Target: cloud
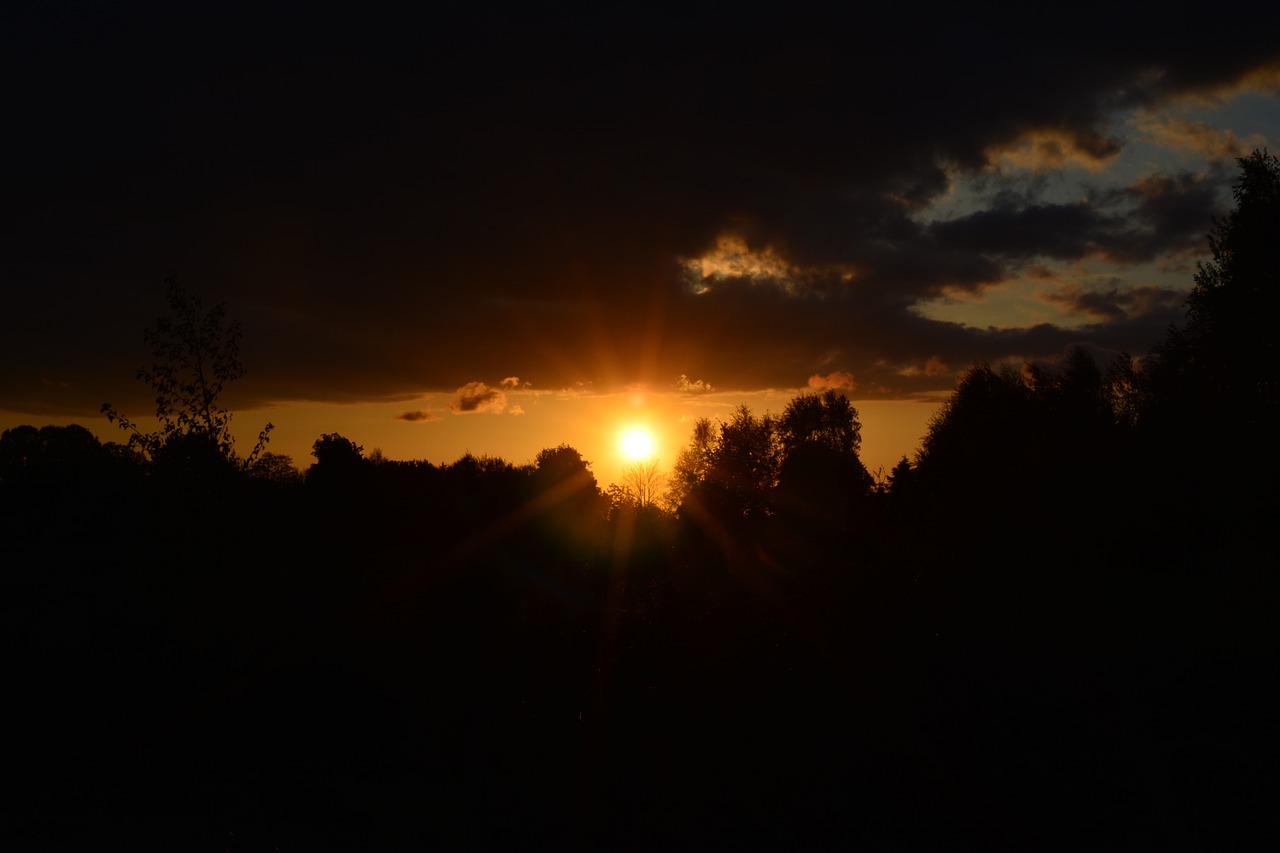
{"x": 1021, "y": 232}
{"x": 751, "y": 198}
{"x": 418, "y": 416}
{"x": 934, "y": 366}
{"x": 1198, "y": 137}
{"x": 684, "y": 386}
{"x": 1155, "y": 216}
{"x": 516, "y": 410}
{"x": 1054, "y": 148}
{"x": 1118, "y": 303}
{"x": 478, "y": 397}
{"x": 840, "y": 380}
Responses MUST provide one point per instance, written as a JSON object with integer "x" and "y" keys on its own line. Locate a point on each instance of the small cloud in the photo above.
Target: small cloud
{"x": 684, "y": 386}
{"x": 418, "y": 416}
{"x": 1050, "y": 148}
{"x": 932, "y": 367}
{"x": 512, "y": 383}
{"x": 935, "y": 367}
{"x": 840, "y": 379}
{"x": 478, "y": 397}
{"x": 516, "y": 410}
{"x": 734, "y": 258}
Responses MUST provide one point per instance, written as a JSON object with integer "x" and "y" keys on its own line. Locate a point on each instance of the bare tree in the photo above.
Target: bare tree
{"x": 643, "y": 482}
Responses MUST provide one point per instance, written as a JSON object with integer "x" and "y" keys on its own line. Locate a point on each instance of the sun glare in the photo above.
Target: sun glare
{"x": 637, "y": 444}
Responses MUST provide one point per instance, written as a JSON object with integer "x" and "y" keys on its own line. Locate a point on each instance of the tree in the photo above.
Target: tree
{"x": 340, "y": 462}
{"x": 730, "y": 472}
{"x": 747, "y": 457}
{"x": 1232, "y": 308}
{"x": 561, "y": 474}
{"x": 643, "y": 482}
{"x": 827, "y": 420}
{"x": 821, "y": 477}
{"x": 694, "y": 461}
{"x": 276, "y": 467}
{"x": 195, "y": 354}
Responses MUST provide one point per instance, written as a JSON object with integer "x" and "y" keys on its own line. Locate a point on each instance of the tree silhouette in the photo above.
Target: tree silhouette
{"x": 1231, "y": 310}
{"x": 643, "y": 482}
{"x": 826, "y": 420}
{"x": 694, "y": 461}
{"x": 276, "y": 467}
{"x": 731, "y": 473}
{"x": 340, "y": 463}
{"x": 821, "y": 477}
{"x": 195, "y": 355}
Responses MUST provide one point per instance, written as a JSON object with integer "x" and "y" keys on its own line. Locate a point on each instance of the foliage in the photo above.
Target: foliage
{"x": 694, "y": 461}
{"x": 827, "y": 420}
{"x": 1005, "y": 429}
{"x": 747, "y": 456}
{"x": 276, "y": 467}
{"x": 195, "y": 355}
{"x": 561, "y": 476}
{"x": 1232, "y": 308}
{"x": 340, "y": 462}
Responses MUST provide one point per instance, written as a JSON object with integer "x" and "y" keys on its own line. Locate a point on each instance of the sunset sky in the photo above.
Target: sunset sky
{"x": 499, "y": 231}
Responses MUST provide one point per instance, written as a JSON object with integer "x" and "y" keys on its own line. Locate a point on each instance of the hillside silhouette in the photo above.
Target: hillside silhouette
{"x": 1053, "y": 628}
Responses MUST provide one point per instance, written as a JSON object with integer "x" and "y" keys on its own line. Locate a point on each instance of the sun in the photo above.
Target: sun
{"x": 636, "y": 444}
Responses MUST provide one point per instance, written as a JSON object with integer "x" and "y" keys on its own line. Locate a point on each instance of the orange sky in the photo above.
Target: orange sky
{"x": 591, "y": 423}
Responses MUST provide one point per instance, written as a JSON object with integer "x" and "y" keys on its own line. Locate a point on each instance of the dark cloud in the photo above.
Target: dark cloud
{"x": 524, "y": 184}
{"x": 418, "y": 416}
{"x": 478, "y": 397}
{"x": 1116, "y": 303}
{"x": 1057, "y": 231}
{"x": 1156, "y": 215}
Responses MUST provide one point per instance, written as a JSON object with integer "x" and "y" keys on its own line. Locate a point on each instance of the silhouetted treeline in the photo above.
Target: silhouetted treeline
{"x": 1052, "y": 629}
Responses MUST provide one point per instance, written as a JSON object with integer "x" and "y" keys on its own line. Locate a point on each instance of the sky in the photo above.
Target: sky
{"x": 491, "y": 230}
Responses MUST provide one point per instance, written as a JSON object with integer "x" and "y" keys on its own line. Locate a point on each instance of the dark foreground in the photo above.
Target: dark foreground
{"x": 348, "y": 697}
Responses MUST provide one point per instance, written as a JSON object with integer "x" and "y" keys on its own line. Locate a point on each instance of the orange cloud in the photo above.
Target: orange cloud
{"x": 1046, "y": 149}
{"x": 840, "y": 379}
{"x": 935, "y": 367}
{"x": 1197, "y": 136}
{"x": 478, "y": 397}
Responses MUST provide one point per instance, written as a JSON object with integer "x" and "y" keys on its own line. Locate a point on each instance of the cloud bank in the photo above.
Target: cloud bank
{"x": 612, "y": 200}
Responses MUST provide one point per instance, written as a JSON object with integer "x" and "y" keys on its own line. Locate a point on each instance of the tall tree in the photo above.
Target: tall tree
{"x": 1231, "y": 311}
{"x": 195, "y": 354}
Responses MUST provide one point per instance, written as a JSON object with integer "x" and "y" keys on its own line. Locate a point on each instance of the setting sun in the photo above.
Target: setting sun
{"x": 636, "y": 444}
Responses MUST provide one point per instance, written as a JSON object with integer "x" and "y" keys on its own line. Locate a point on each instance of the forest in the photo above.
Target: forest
{"x": 1053, "y": 628}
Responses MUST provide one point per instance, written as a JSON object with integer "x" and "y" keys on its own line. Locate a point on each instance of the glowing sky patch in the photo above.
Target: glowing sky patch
{"x": 636, "y": 444}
